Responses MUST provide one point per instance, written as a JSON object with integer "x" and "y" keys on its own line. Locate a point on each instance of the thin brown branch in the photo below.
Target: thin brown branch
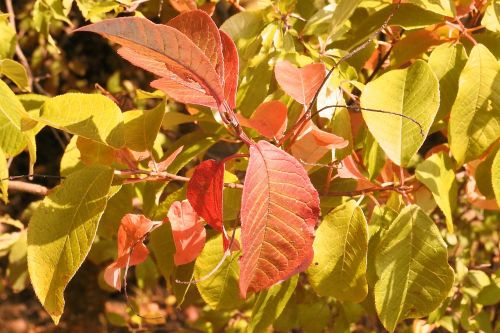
{"x": 19, "y": 186}
{"x": 403, "y": 189}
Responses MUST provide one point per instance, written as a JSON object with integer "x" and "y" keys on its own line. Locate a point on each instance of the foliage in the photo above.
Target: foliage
{"x": 315, "y": 165}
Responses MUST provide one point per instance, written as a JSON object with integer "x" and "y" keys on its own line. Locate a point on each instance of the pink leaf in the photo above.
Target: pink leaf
{"x": 132, "y": 230}
{"x": 183, "y": 5}
{"x": 349, "y": 169}
{"x": 300, "y": 83}
{"x": 231, "y": 68}
{"x": 163, "y": 165}
{"x": 203, "y": 32}
{"x": 269, "y": 119}
{"x": 279, "y": 210}
{"x": 149, "y": 45}
{"x": 187, "y": 231}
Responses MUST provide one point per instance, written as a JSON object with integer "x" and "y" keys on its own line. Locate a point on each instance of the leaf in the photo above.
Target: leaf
{"x": 131, "y": 249}
{"x": 91, "y": 116}
{"x": 231, "y": 68}
{"x": 61, "y": 232}
{"x": 340, "y": 249}
{"x": 188, "y": 232}
{"x": 475, "y": 117}
{"x": 412, "y": 266}
{"x": 163, "y": 248}
{"x": 279, "y": 210}
{"x": 495, "y": 176}
{"x": 16, "y": 72}
{"x": 4, "y": 177}
{"x": 300, "y": 83}
{"x": 437, "y": 174}
{"x": 163, "y": 165}
{"x": 204, "y": 192}
{"x": 341, "y": 14}
{"x": 270, "y": 303}
{"x": 183, "y": 5}
{"x": 194, "y": 143}
{"x": 141, "y": 127}
{"x": 12, "y": 139}
{"x": 7, "y": 39}
{"x": 447, "y": 61}
{"x": 188, "y": 73}
{"x": 220, "y": 290}
{"x": 442, "y": 7}
{"x": 270, "y": 119}
{"x": 413, "y": 92}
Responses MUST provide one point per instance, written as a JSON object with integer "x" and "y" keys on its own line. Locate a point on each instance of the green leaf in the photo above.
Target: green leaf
{"x": 313, "y": 317}
{"x": 142, "y": 126}
{"x": 220, "y": 291}
{"x": 163, "y": 248}
{"x": 119, "y": 204}
{"x": 7, "y": 39}
{"x": 484, "y": 176}
{"x": 270, "y": 303}
{"x": 340, "y": 249}
{"x": 495, "y": 176}
{"x": 412, "y": 266}
{"x": 61, "y": 232}
{"x": 442, "y": 7}
{"x": 195, "y": 143}
{"x": 4, "y": 177}
{"x": 16, "y": 72}
{"x": 437, "y": 174}
{"x": 491, "y": 18}
{"x": 341, "y": 126}
{"x": 475, "y": 116}
{"x": 71, "y": 159}
{"x": 447, "y": 61}
{"x": 413, "y": 92}
{"x": 91, "y": 116}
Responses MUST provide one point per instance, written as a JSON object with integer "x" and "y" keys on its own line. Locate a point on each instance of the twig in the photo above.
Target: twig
{"x": 20, "y": 186}
{"x": 395, "y": 188}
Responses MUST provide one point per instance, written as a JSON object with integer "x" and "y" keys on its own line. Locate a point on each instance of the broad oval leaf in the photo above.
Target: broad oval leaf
{"x": 412, "y": 92}
{"x": 411, "y": 262}
{"x": 437, "y": 174}
{"x": 91, "y": 116}
{"x": 220, "y": 288}
{"x": 16, "y": 72}
{"x": 269, "y": 119}
{"x": 340, "y": 249}
{"x": 300, "y": 83}
{"x": 147, "y": 44}
{"x": 61, "y": 232}
{"x": 475, "y": 116}
{"x": 187, "y": 231}
{"x": 231, "y": 68}
{"x": 141, "y": 127}
{"x": 279, "y": 210}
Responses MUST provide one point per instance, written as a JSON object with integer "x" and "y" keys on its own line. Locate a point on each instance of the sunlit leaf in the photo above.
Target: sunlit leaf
{"x": 16, "y": 72}
{"x": 300, "y": 83}
{"x": 141, "y": 127}
{"x": 495, "y": 176}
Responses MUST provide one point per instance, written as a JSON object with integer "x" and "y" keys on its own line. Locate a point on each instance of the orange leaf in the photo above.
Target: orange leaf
{"x": 269, "y": 119}
{"x": 300, "y": 83}
{"x": 231, "y": 68}
{"x": 187, "y": 231}
{"x": 132, "y": 230}
{"x": 279, "y": 210}
{"x": 183, "y": 5}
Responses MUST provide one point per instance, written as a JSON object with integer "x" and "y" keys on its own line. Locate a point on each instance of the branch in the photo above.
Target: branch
{"x": 20, "y": 186}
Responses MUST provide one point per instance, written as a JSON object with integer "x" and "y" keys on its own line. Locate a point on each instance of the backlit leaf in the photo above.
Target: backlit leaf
{"x": 270, "y": 119}
{"x": 412, "y": 92}
{"x": 442, "y": 7}
{"x": 61, "y": 232}
{"x": 91, "y": 116}
{"x": 279, "y": 211}
{"x": 220, "y": 290}
{"x": 131, "y": 250}
{"x": 437, "y": 174}
{"x": 16, "y": 72}
{"x": 156, "y": 48}
{"x": 340, "y": 249}
{"x": 187, "y": 230}
{"x": 270, "y": 303}
{"x": 495, "y": 176}
{"x": 300, "y": 83}
{"x": 231, "y": 68}
{"x": 412, "y": 267}
{"x": 475, "y": 117}
{"x": 141, "y": 127}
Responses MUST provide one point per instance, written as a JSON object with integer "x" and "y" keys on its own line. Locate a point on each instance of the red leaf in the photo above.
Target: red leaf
{"x": 203, "y": 32}
{"x": 269, "y": 119}
{"x": 163, "y": 165}
{"x": 151, "y": 46}
{"x": 187, "y": 231}
{"x": 231, "y": 68}
{"x": 349, "y": 169}
{"x": 204, "y": 192}
{"x": 279, "y": 210}
{"x": 132, "y": 230}
{"x": 300, "y": 83}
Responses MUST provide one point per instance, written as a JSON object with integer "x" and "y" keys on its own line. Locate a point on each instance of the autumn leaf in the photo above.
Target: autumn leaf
{"x": 231, "y": 68}
{"x": 279, "y": 210}
{"x": 300, "y": 83}
{"x": 131, "y": 249}
{"x": 269, "y": 119}
{"x": 204, "y": 192}
{"x": 349, "y": 169}
{"x": 187, "y": 231}
{"x": 163, "y": 165}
